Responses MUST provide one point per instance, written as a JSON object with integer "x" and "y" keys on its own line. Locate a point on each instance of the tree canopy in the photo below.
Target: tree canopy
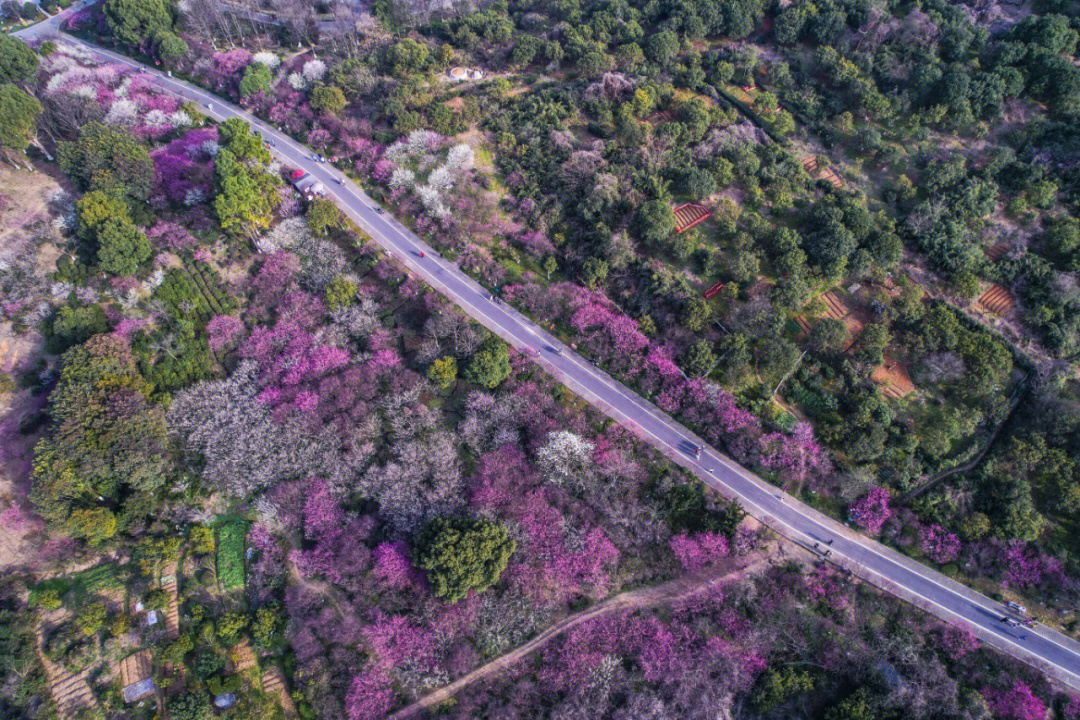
{"x": 107, "y": 158}
{"x": 462, "y": 554}
{"x": 18, "y": 62}
{"x": 134, "y": 21}
{"x": 101, "y": 466}
{"x": 18, "y": 115}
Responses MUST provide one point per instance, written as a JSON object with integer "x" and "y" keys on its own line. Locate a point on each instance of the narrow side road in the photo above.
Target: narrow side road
{"x": 669, "y": 592}
{"x": 1041, "y": 647}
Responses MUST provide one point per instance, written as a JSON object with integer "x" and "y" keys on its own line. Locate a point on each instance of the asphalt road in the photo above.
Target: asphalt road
{"x": 871, "y": 561}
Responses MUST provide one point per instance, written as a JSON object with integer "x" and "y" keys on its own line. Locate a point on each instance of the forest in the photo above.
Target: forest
{"x": 255, "y": 467}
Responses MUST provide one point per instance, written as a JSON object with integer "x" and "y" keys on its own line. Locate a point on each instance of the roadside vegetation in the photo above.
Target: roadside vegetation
{"x": 837, "y": 238}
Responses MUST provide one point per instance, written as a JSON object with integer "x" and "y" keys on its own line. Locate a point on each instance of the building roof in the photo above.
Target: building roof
{"x": 136, "y": 676}
{"x": 689, "y": 215}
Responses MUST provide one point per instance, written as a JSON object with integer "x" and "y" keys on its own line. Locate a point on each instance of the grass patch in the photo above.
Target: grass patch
{"x": 74, "y": 588}
{"x": 230, "y": 554}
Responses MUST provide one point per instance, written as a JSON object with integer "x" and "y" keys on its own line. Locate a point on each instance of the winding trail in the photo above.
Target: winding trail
{"x": 728, "y": 571}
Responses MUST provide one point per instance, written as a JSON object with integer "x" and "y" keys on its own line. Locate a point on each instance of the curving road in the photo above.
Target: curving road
{"x": 1050, "y": 651}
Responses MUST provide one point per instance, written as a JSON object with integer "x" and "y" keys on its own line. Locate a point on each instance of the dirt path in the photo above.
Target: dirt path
{"x": 645, "y": 597}
{"x": 319, "y": 587}
{"x": 971, "y": 464}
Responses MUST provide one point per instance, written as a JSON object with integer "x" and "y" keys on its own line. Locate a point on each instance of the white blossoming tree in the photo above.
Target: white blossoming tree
{"x": 460, "y": 157}
{"x": 123, "y": 112}
{"x": 566, "y": 459}
{"x": 314, "y": 70}
{"x": 268, "y": 59}
{"x": 402, "y": 177}
{"x": 397, "y": 153}
{"x": 421, "y": 141}
{"x": 440, "y": 179}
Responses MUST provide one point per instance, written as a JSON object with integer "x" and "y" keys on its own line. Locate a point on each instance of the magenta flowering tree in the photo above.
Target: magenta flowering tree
{"x": 184, "y": 166}
{"x": 370, "y": 695}
{"x": 1026, "y": 566}
{"x": 502, "y": 478}
{"x": 562, "y": 570}
{"x": 292, "y": 362}
{"x": 957, "y": 641}
{"x": 939, "y": 544}
{"x": 127, "y": 326}
{"x": 394, "y": 567}
{"x": 230, "y": 62}
{"x": 384, "y": 360}
{"x": 365, "y": 154}
{"x": 822, "y": 586}
{"x": 871, "y": 510}
{"x": 793, "y": 455}
{"x": 571, "y": 662}
{"x": 1016, "y": 703}
{"x": 322, "y": 515}
{"x": 319, "y": 138}
{"x": 606, "y": 329}
{"x": 334, "y": 545}
{"x": 223, "y": 329}
{"x": 382, "y": 170}
{"x": 274, "y": 278}
{"x": 536, "y": 244}
{"x": 14, "y": 518}
{"x": 394, "y": 642}
{"x": 698, "y": 551}
{"x": 171, "y": 236}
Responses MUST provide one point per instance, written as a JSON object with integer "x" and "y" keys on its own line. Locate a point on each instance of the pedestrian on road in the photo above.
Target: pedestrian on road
{"x": 815, "y": 546}
{"x": 829, "y": 541}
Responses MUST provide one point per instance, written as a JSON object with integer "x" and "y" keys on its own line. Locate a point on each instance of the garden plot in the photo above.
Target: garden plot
{"x": 230, "y": 554}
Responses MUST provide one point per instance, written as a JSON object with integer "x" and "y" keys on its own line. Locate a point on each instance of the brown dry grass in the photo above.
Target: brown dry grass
{"x": 25, "y": 206}
{"x": 273, "y": 683}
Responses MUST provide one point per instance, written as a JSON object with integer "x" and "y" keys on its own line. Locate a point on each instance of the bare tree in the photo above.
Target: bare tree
{"x": 64, "y": 115}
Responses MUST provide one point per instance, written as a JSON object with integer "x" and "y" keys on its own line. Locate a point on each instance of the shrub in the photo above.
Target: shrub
{"x": 323, "y": 216}
{"x": 341, "y": 292}
{"x": 328, "y": 99}
{"x": 92, "y": 618}
{"x": 190, "y": 706}
{"x": 256, "y": 77}
{"x": 443, "y": 372}
{"x": 490, "y": 365}
{"x": 17, "y": 61}
{"x": 202, "y": 540}
{"x": 122, "y": 247}
{"x": 170, "y": 48}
